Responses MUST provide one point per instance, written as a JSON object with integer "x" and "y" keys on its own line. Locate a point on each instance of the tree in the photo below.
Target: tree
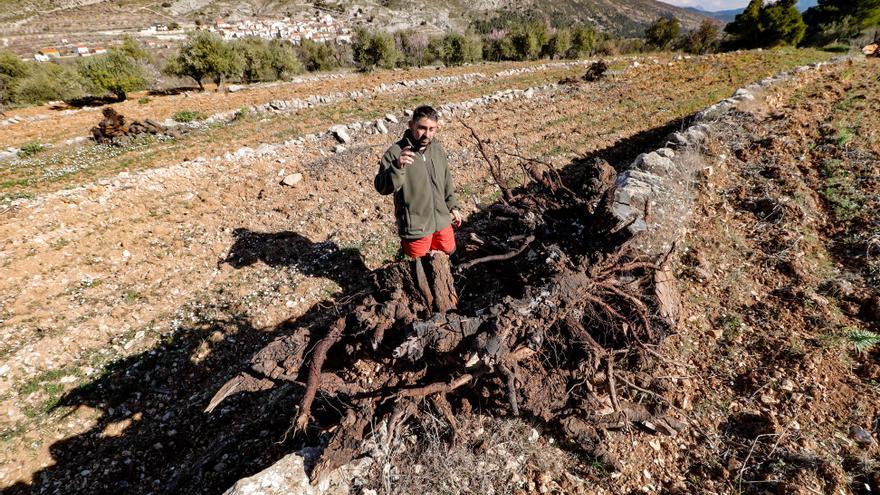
{"x": 131, "y": 48}
{"x": 372, "y": 50}
{"x": 283, "y": 62}
{"x": 254, "y": 55}
{"x": 782, "y": 24}
{"x": 584, "y": 40}
{"x": 528, "y": 40}
{"x": 11, "y": 69}
{"x": 457, "y": 49}
{"x": 702, "y": 40}
{"x": 498, "y": 46}
{"x": 763, "y": 26}
{"x": 663, "y": 32}
{"x": 115, "y": 73}
{"x": 559, "y": 44}
{"x": 836, "y": 20}
{"x": 47, "y": 82}
{"x": 317, "y": 56}
{"x": 415, "y": 48}
{"x": 745, "y": 30}
{"x": 204, "y": 55}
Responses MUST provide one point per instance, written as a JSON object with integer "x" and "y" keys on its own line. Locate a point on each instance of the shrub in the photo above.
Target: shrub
{"x": 30, "y": 149}
{"x": 11, "y": 69}
{"x": 528, "y": 40}
{"x": 144, "y": 100}
{"x": 372, "y": 50}
{"x": 185, "y": 116}
{"x": 498, "y": 47}
{"x": 47, "y": 82}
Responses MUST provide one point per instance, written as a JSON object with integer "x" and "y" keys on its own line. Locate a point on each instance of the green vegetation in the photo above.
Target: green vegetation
{"x": 185, "y": 116}
{"x": 862, "y": 340}
{"x": 318, "y": 56}
{"x": 842, "y": 190}
{"x": 374, "y": 50}
{"x": 30, "y": 149}
{"x": 457, "y": 49}
{"x": 205, "y": 56}
{"x": 838, "y": 20}
{"x": 663, "y": 33}
{"x": 116, "y": 73}
{"x": 703, "y": 40}
{"x": 263, "y": 60}
{"x": 40, "y": 82}
{"x": 770, "y": 25}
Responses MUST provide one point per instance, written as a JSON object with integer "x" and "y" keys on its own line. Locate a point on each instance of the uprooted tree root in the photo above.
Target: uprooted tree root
{"x": 555, "y": 352}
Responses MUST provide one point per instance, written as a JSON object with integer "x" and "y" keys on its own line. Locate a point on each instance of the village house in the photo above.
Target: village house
{"x": 320, "y": 29}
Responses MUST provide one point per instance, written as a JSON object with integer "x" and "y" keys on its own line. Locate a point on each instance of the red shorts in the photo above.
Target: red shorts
{"x": 442, "y": 240}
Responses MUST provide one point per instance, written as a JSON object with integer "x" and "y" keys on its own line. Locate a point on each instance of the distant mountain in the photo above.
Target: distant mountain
{"x": 728, "y": 15}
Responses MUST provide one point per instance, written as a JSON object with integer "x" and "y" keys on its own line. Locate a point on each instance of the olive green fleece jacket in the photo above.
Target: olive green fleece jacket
{"x": 423, "y": 192}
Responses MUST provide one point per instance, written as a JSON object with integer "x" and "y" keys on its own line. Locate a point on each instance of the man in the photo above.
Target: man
{"x": 416, "y": 171}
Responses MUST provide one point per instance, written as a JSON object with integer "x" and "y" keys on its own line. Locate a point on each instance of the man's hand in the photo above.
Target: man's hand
{"x": 406, "y": 157}
{"x": 456, "y": 218}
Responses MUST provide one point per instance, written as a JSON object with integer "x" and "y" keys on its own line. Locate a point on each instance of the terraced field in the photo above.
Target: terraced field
{"x": 188, "y": 254}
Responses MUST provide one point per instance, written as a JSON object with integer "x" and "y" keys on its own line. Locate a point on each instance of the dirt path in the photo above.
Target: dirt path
{"x": 211, "y": 249}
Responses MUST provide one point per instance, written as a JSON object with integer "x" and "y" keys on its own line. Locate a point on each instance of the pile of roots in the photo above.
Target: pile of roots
{"x": 115, "y": 129}
{"x": 555, "y": 326}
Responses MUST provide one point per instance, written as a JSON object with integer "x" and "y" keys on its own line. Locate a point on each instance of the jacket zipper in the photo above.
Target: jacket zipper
{"x": 430, "y": 174}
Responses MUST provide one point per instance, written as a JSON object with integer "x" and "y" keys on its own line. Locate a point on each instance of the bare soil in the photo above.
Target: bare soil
{"x": 127, "y": 303}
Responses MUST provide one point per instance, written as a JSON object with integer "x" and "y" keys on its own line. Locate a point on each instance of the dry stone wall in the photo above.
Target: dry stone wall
{"x": 653, "y": 196}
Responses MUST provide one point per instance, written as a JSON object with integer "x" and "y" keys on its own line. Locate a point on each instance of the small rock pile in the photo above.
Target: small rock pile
{"x": 115, "y": 129}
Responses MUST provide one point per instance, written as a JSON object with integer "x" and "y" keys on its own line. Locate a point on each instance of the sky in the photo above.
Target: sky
{"x": 710, "y": 5}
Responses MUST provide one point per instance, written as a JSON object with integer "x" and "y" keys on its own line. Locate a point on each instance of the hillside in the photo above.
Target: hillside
{"x": 44, "y": 17}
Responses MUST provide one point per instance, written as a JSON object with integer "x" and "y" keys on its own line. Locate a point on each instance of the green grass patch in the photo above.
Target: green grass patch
{"x": 185, "y": 116}
{"x": 28, "y": 150}
{"x": 836, "y": 48}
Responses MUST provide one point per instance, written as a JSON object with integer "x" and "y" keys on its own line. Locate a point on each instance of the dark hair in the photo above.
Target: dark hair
{"x": 425, "y": 111}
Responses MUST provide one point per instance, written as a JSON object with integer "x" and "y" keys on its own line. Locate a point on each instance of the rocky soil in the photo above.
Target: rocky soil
{"x": 128, "y": 300}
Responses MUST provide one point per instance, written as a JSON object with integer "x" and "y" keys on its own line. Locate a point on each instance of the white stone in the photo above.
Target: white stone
{"x": 390, "y": 117}
{"x": 340, "y": 134}
{"x": 288, "y": 477}
{"x": 292, "y": 179}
